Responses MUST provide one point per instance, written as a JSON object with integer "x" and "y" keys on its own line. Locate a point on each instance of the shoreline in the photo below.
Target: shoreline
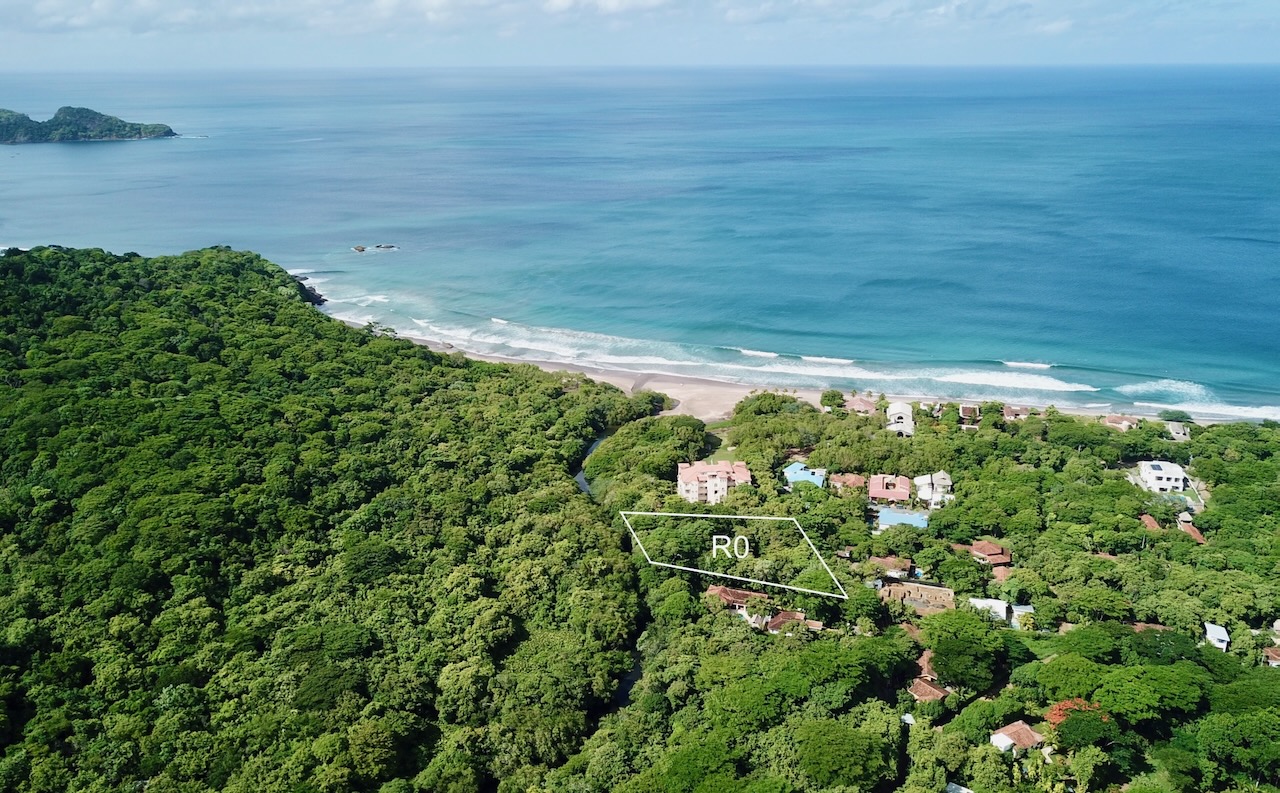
{"x": 713, "y": 400}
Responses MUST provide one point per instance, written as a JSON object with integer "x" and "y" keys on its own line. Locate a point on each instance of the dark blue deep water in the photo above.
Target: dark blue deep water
{"x": 1086, "y": 237}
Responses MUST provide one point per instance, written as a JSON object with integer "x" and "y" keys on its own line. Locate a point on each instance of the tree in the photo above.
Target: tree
{"x": 965, "y": 646}
{"x": 832, "y": 398}
{"x": 833, "y": 754}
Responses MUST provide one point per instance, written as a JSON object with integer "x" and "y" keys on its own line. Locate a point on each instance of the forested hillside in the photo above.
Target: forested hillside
{"x": 244, "y": 547}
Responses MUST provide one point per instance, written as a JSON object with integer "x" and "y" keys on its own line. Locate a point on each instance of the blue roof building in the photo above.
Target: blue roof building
{"x": 799, "y": 472}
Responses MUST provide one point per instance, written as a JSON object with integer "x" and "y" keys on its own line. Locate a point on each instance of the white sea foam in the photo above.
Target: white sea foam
{"x": 355, "y": 317}
{"x": 498, "y": 321}
{"x": 1014, "y": 380}
{"x": 1181, "y": 390}
{"x": 756, "y": 353}
{"x": 1027, "y": 365}
{"x": 1218, "y": 409}
{"x": 299, "y": 271}
{"x": 820, "y": 359}
{"x": 364, "y": 301}
{"x": 1097, "y": 405}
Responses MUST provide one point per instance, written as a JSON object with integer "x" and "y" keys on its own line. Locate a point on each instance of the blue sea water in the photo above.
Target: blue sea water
{"x": 1089, "y": 237}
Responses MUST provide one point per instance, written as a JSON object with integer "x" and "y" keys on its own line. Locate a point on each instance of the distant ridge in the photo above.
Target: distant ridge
{"x": 74, "y": 124}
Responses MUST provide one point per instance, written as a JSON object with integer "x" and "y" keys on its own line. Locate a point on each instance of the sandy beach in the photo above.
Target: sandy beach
{"x": 709, "y": 400}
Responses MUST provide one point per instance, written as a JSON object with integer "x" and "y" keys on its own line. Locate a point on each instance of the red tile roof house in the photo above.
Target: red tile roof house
{"x": 1149, "y": 522}
{"x": 785, "y": 619}
{"x": 893, "y": 566}
{"x": 1271, "y": 655}
{"x": 1018, "y": 735}
{"x": 1185, "y": 524}
{"x": 922, "y": 690}
{"x": 988, "y": 552}
{"x": 885, "y": 488}
{"x": 735, "y": 599}
{"x": 970, "y": 414}
{"x": 841, "y": 481}
{"x": 1001, "y": 573}
{"x": 1012, "y": 413}
{"x": 861, "y": 405}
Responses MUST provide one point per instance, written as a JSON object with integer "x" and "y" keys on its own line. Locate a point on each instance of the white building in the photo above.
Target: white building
{"x": 1022, "y": 616}
{"x": 709, "y": 483}
{"x": 900, "y": 420}
{"x": 1217, "y": 636}
{"x": 1178, "y": 430}
{"x": 934, "y": 489}
{"x": 1162, "y": 476}
{"x": 993, "y": 606}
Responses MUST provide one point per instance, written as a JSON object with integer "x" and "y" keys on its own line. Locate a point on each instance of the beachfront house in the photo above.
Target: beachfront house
{"x": 798, "y": 472}
{"x": 1122, "y": 423}
{"x": 708, "y": 483}
{"x": 1162, "y": 476}
{"x": 1217, "y": 636}
{"x": 970, "y": 415}
{"x": 900, "y": 420}
{"x": 1178, "y": 431}
{"x": 889, "y": 489}
{"x": 1014, "y": 413}
{"x": 934, "y": 489}
{"x": 861, "y": 405}
{"x": 1016, "y": 736}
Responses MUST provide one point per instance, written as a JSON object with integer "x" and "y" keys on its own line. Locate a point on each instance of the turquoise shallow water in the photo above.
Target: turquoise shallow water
{"x": 1085, "y": 237}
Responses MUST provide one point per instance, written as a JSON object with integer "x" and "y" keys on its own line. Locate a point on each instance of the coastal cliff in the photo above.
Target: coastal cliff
{"x": 75, "y": 124}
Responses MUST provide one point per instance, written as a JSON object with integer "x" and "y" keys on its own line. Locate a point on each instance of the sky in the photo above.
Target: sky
{"x": 129, "y": 35}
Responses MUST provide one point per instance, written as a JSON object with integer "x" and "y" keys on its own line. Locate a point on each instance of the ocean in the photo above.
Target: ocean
{"x": 1105, "y": 238}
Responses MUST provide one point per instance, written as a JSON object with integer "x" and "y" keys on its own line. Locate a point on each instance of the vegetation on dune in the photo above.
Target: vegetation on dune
{"x": 75, "y": 124}
{"x": 245, "y": 547}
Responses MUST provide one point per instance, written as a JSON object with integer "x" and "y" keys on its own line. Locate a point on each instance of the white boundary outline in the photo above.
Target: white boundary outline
{"x": 842, "y": 596}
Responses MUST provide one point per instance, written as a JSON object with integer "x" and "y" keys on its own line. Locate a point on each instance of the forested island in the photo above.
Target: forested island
{"x": 74, "y": 124}
{"x": 244, "y": 547}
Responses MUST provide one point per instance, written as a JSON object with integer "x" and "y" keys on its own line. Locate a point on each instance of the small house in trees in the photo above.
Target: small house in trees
{"x": 1149, "y": 522}
{"x": 1022, "y": 617}
{"x": 900, "y": 420}
{"x": 987, "y": 552}
{"x": 735, "y": 599}
{"x": 798, "y": 472}
{"x": 786, "y": 621}
{"x": 1162, "y": 476}
{"x": 889, "y": 489}
{"x": 1217, "y": 636}
{"x": 925, "y": 686}
{"x": 893, "y": 566}
{"x": 1271, "y": 655}
{"x": 708, "y": 483}
{"x": 1187, "y": 527}
{"x": 861, "y": 405}
{"x": 970, "y": 415}
{"x": 841, "y": 481}
{"x": 1178, "y": 430}
{"x": 1016, "y": 736}
{"x": 934, "y": 489}
{"x": 952, "y": 787}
